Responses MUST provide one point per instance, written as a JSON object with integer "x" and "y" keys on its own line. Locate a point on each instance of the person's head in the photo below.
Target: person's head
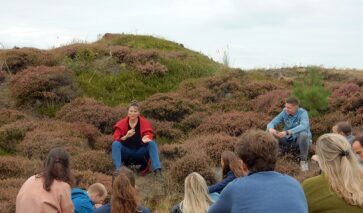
{"x": 291, "y": 105}
{"x": 357, "y": 147}
{"x": 97, "y": 193}
{"x": 230, "y": 162}
{"x": 133, "y": 111}
{"x": 258, "y": 151}
{"x": 124, "y": 195}
{"x": 56, "y": 167}
{"x": 196, "y": 198}
{"x": 341, "y": 167}
{"x": 343, "y": 127}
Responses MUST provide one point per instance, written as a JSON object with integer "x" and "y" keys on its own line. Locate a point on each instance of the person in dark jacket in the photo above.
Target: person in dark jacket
{"x": 86, "y": 201}
{"x": 124, "y": 198}
{"x": 230, "y": 170}
{"x": 133, "y": 142}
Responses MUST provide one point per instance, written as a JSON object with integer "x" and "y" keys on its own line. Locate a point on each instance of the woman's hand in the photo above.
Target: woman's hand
{"x": 146, "y": 139}
{"x": 130, "y": 133}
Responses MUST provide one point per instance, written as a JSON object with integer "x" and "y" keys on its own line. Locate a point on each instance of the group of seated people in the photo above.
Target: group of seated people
{"x": 250, "y": 182}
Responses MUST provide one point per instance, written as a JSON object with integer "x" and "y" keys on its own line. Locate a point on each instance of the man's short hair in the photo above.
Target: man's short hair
{"x": 292, "y": 100}
{"x": 97, "y": 189}
{"x": 258, "y": 150}
{"x": 359, "y": 138}
{"x": 345, "y": 127}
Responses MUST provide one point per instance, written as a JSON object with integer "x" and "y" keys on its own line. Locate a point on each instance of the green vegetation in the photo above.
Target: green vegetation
{"x": 142, "y": 42}
{"x": 311, "y": 92}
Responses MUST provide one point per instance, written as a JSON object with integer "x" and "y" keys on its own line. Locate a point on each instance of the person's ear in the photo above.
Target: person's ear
{"x": 244, "y": 168}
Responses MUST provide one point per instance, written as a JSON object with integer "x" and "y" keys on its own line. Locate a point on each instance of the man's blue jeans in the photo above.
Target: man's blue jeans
{"x": 300, "y": 142}
{"x": 121, "y": 153}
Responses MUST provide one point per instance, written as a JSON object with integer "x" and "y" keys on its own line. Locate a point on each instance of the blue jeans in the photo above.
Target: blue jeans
{"x": 121, "y": 153}
{"x": 300, "y": 142}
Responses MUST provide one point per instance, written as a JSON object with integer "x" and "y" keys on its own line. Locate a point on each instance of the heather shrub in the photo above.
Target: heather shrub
{"x": 92, "y": 112}
{"x": 212, "y": 144}
{"x": 2, "y": 76}
{"x": 11, "y": 166}
{"x": 252, "y": 89}
{"x": 81, "y": 51}
{"x": 83, "y": 179}
{"x": 13, "y": 133}
{"x": 104, "y": 142}
{"x": 120, "y": 52}
{"x": 324, "y": 124}
{"x": 287, "y": 166}
{"x": 18, "y": 59}
{"x": 341, "y": 94}
{"x": 357, "y": 117}
{"x": 271, "y": 102}
{"x": 43, "y": 85}
{"x": 140, "y": 56}
{"x": 192, "y": 162}
{"x": 350, "y": 104}
{"x": 172, "y": 151}
{"x": 169, "y": 107}
{"x": 50, "y": 134}
{"x": 192, "y": 121}
{"x": 151, "y": 68}
{"x": 96, "y": 161}
{"x": 232, "y": 123}
{"x": 9, "y": 115}
{"x": 166, "y": 130}
{"x": 8, "y": 192}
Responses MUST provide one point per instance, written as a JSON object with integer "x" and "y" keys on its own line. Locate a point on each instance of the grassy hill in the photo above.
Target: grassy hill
{"x": 71, "y": 96}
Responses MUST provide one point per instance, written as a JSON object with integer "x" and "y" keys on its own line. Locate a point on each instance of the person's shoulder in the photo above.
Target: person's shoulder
{"x": 313, "y": 180}
{"x": 302, "y": 110}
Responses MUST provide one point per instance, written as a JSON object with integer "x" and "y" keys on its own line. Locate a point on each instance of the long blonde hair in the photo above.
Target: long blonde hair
{"x": 341, "y": 168}
{"x": 196, "y": 198}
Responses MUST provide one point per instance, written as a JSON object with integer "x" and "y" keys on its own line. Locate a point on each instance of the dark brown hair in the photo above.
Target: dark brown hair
{"x": 345, "y": 127}
{"x": 258, "y": 150}
{"x": 56, "y": 167}
{"x": 359, "y": 138}
{"x": 230, "y": 163}
{"x": 124, "y": 195}
{"x": 292, "y": 100}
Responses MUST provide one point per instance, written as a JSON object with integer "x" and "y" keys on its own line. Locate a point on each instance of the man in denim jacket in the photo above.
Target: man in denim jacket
{"x": 296, "y": 134}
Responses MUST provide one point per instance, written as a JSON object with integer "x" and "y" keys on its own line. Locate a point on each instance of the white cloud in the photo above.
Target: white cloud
{"x": 258, "y": 33}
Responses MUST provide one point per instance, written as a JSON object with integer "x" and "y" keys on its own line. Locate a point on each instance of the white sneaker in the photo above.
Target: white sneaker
{"x": 304, "y": 166}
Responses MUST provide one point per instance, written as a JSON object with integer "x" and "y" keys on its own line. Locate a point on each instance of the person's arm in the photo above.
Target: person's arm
{"x": 276, "y": 121}
{"x": 66, "y": 204}
{"x": 224, "y": 203}
{"x": 117, "y": 135}
{"x": 304, "y": 124}
{"x": 218, "y": 187}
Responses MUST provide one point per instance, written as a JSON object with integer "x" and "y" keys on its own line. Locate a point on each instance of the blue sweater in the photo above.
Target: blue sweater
{"x": 107, "y": 209}
{"x": 262, "y": 192}
{"x": 218, "y": 187}
{"x": 297, "y": 123}
{"x": 81, "y": 202}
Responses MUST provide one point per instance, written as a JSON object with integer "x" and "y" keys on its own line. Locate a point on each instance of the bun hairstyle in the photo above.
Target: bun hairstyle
{"x": 135, "y": 104}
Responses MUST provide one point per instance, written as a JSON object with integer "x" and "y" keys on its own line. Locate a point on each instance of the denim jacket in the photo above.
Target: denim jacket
{"x": 297, "y": 123}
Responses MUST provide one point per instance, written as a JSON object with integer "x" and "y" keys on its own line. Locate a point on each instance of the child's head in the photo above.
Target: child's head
{"x": 97, "y": 193}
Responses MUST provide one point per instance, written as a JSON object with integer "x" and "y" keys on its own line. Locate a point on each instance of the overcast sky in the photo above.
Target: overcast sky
{"x": 255, "y": 33}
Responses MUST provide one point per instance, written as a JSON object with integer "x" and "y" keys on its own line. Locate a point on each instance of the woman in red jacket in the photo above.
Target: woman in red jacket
{"x": 133, "y": 141}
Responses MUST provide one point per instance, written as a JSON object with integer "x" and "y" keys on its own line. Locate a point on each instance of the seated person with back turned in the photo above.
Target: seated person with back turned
{"x": 262, "y": 189}
{"x": 296, "y": 134}
{"x": 344, "y": 128}
{"x": 133, "y": 141}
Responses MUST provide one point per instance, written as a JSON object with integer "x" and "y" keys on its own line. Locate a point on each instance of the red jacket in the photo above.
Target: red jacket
{"x": 121, "y": 128}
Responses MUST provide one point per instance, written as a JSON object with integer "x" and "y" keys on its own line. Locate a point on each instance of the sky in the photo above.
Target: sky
{"x": 254, "y": 34}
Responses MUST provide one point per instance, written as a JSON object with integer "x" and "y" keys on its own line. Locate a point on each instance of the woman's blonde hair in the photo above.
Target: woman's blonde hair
{"x": 196, "y": 198}
{"x": 341, "y": 168}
